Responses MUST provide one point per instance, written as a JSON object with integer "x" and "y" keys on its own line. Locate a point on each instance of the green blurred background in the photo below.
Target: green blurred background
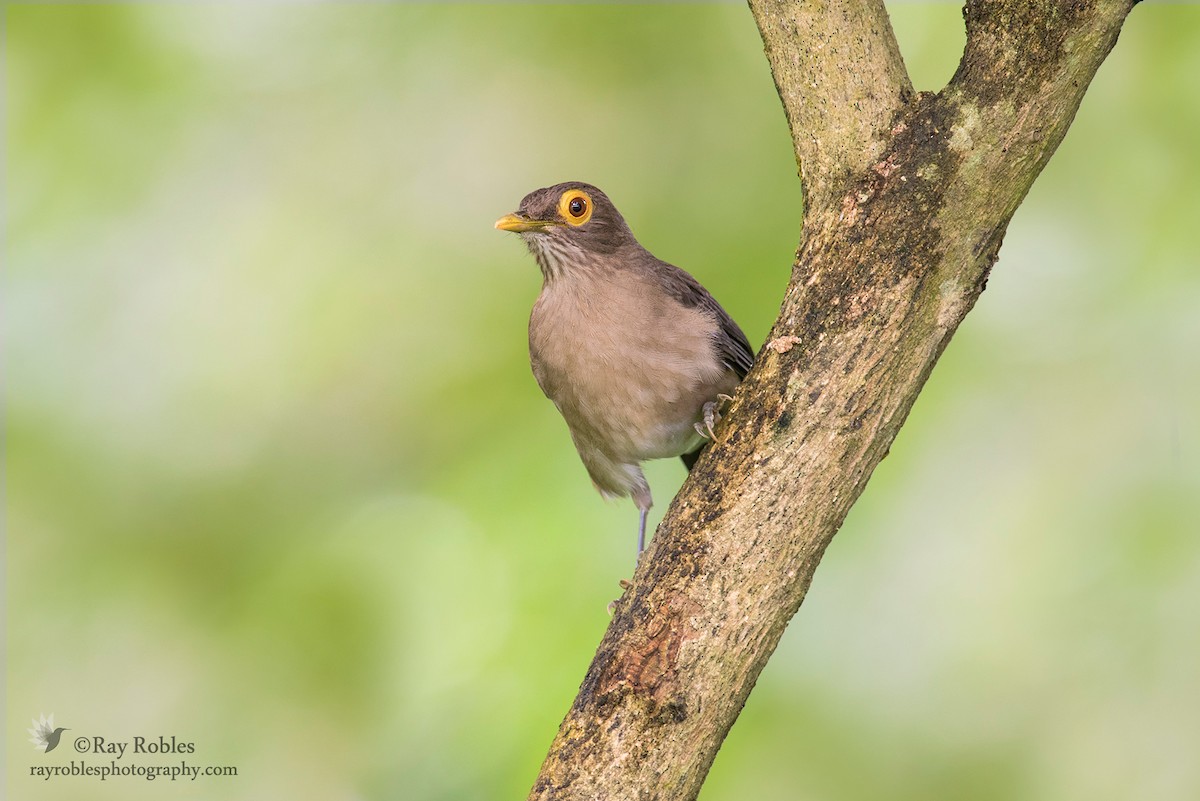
{"x": 279, "y": 481}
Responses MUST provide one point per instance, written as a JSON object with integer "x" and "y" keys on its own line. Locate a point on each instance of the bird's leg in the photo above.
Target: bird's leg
{"x": 712, "y": 416}
{"x": 643, "y": 501}
{"x": 641, "y": 531}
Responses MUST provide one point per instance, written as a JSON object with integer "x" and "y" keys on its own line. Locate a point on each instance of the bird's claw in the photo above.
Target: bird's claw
{"x": 712, "y": 416}
{"x": 612, "y": 605}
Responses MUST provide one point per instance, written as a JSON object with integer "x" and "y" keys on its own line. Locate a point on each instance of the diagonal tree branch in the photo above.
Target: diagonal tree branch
{"x": 908, "y": 198}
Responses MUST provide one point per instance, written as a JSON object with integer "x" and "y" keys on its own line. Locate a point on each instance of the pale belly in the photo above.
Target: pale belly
{"x": 633, "y": 393}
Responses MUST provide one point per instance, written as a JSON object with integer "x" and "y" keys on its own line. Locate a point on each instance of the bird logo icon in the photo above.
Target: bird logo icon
{"x": 44, "y": 735}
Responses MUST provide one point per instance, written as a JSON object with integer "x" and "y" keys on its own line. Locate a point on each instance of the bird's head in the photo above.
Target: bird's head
{"x": 567, "y": 226}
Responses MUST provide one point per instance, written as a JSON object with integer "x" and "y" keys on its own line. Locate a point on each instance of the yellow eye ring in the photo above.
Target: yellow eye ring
{"x": 575, "y": 207}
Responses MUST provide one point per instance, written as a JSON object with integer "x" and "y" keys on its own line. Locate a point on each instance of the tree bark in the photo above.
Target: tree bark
{"x": 907, "y": 198}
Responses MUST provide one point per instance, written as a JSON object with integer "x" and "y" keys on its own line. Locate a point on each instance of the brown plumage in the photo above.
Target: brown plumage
{"x": 633, "y": 351}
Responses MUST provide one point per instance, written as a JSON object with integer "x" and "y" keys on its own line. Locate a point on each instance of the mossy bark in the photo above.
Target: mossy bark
{"x": 908, "y": 196}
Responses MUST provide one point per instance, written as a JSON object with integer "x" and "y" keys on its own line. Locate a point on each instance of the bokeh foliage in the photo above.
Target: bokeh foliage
{"x": 279, "y": 482}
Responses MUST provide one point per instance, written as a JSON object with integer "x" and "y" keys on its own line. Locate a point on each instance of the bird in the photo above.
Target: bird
{"x": 53, "y": 737}
{"x": 44, "y": 735}
{"x": 636, "y": 354}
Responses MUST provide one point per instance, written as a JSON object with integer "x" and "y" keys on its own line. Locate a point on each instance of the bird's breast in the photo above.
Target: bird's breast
{"x": 628, "y": 366}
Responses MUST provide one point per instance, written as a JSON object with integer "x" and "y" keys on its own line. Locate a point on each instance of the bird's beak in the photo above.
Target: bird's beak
{"x": 517, "y": 223}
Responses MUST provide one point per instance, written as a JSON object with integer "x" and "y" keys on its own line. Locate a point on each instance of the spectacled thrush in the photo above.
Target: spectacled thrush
{"x": 633, "y": 351}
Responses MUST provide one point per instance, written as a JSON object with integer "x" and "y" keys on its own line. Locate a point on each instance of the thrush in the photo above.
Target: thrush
{"x": 633, "y": 351}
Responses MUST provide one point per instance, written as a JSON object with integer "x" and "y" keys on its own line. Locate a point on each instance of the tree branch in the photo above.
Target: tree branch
{"x": 908, "y": 198}
{"x": 841, "y": 78}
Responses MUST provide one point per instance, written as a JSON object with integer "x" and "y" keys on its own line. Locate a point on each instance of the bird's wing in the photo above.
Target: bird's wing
{"x": 731, "y": 343}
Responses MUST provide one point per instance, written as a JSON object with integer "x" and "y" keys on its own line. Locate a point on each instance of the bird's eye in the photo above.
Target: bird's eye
{"x": 575, "y": 207}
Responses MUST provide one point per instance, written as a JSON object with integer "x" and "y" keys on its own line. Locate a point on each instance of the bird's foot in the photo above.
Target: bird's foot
{"x": 612, "y": 605}
{"x": 712, "y": 416}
